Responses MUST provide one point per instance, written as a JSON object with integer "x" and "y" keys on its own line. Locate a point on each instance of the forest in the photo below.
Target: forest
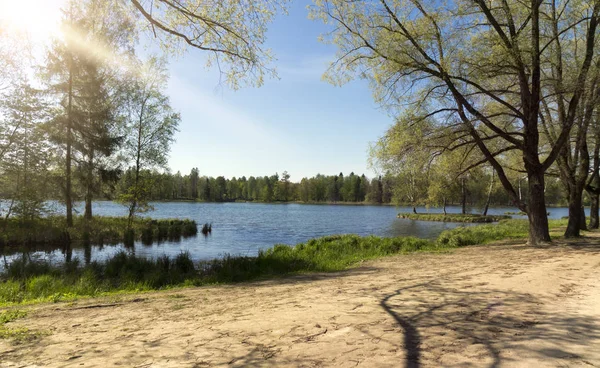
{"x": 385, "y": 189}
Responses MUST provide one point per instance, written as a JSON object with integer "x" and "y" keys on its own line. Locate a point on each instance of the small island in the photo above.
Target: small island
{"x": 453, "y": 217}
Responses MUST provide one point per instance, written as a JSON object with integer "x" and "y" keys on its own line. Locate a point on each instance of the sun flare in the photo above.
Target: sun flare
{"x": 35, "y": 19}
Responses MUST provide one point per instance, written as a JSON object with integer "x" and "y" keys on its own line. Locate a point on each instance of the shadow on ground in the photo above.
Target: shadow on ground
{"x": 481, "y": 325}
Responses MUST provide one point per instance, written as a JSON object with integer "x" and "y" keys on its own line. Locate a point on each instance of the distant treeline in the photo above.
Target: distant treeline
{"x": 351, "y": 188}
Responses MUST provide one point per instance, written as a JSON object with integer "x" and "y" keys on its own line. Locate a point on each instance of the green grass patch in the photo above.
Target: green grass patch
{"x": 99, "y": 230}
{"x": 19, "y": 334}
{"x": 482, "y": 234}
{"x": 11, "y": 315}
{"x": 453, "y": 217}
{"x": 27, "y": 281}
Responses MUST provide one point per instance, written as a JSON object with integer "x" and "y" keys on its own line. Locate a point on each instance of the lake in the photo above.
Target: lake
{"x": 244, "y": 228}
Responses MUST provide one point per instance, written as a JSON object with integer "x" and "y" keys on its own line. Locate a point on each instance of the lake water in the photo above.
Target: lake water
{"x": 244, "y": 228}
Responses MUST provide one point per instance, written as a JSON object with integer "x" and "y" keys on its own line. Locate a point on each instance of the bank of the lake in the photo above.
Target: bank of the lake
{"x": 245, "y": 228}
{"x": 50, "y": 231}
{"x": 25, "y": 280}
{"x": 453, "y": 217}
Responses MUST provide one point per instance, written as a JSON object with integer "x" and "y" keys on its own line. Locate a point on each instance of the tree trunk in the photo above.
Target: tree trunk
{"x": 595, "y": 199}
{"x": 574, "y": 223}
{"x": 89, "y": 190}
{"x": 539, "y": 232}
{"x": 583, "y": 223}
{"x": 489, "y": 196}
{"x": 68, "y": 188}
{"x": 593, "y": 185}
{"x": 444, "y": 208}
{"x": 464, "y": 196}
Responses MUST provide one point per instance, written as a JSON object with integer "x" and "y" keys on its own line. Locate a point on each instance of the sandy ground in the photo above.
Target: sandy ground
{"x": 490, "y": 306}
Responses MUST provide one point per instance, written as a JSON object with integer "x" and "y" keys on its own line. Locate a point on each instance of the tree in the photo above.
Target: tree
{"x": 82, "y": 74}
{"x": 151, "y": 127}
{"x": 194, "y": 177}
{"x": 477, "y": 69}
{"x": 284, "y": 186}
{"x": 573, "y": 161}
{"x": 231, "y": 32}
{"x": 24, "y": 152}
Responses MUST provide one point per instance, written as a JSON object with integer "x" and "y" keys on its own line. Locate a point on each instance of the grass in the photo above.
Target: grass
{"x": 453, "y": 217}
{"x": 482, "y": 234}
{"x": 17, "y": 335}
{"x": 26, "y": 282}
{"x": 100, "y": 230}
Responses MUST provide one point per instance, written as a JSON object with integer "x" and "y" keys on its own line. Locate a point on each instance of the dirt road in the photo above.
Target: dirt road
{"x": 488, "y": 306}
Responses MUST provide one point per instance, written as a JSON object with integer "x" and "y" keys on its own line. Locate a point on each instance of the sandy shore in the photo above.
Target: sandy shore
{"x": 491, "y": 306}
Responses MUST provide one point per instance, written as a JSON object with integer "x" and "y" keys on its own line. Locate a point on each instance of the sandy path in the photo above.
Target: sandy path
{"x": 492, "y": 306}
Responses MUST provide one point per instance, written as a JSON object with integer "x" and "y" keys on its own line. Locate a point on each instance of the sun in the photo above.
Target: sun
{"x": 36, "y": 19}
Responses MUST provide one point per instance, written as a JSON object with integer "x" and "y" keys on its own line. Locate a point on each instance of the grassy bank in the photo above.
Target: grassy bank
{"x": 100, "y": 230}
{"x": 26, "y": 281}
{"x": 482, "y": 234}
{"x": 453, "y": 217}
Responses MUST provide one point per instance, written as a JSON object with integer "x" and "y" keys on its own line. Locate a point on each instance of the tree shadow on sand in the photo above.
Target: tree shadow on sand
{"x": 438, "y": 322}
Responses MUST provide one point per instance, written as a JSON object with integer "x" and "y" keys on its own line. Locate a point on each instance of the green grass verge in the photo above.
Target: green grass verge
{"x": 453, "y": 217}
{"x": 99, "y": 230}
{"x": 482, "y": 234}
{"x": 25, "y": 282}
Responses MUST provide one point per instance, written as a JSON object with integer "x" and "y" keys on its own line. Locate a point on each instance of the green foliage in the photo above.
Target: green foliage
{"x": 231, "y": 33}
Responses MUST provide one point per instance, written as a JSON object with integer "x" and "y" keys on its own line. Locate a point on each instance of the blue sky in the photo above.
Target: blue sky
{"x": 298, "y": 123}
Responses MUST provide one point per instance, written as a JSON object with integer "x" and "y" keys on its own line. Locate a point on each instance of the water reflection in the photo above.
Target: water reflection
{"x": 244, "y": 228}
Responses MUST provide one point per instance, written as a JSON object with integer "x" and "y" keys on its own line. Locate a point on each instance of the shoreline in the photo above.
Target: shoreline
{"x": 126, "y": 272}
{"x": 474, "y": 306}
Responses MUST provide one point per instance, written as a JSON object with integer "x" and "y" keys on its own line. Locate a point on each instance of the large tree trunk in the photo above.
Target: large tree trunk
{"x": 575, "y": 220}
{"x": 539, "y": 232}
{"x": 583, "y": 223}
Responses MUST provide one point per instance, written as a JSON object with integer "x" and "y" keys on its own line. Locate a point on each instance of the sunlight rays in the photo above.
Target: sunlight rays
{"x": 37, "y": 20}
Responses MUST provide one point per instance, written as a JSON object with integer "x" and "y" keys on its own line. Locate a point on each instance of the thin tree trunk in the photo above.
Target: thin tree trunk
{"x": 595, "y": 199}
{"x": 68, "y": 188}
{"x": 90, "y": 181}
{"x": 593, "y": 186}
{"x": 138, "y": 162}
{"x": 489, "y": 196}
{"x": 539, "y": 232}
{"x": 464, "y": 196}
{"x": 444, "y": 208}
